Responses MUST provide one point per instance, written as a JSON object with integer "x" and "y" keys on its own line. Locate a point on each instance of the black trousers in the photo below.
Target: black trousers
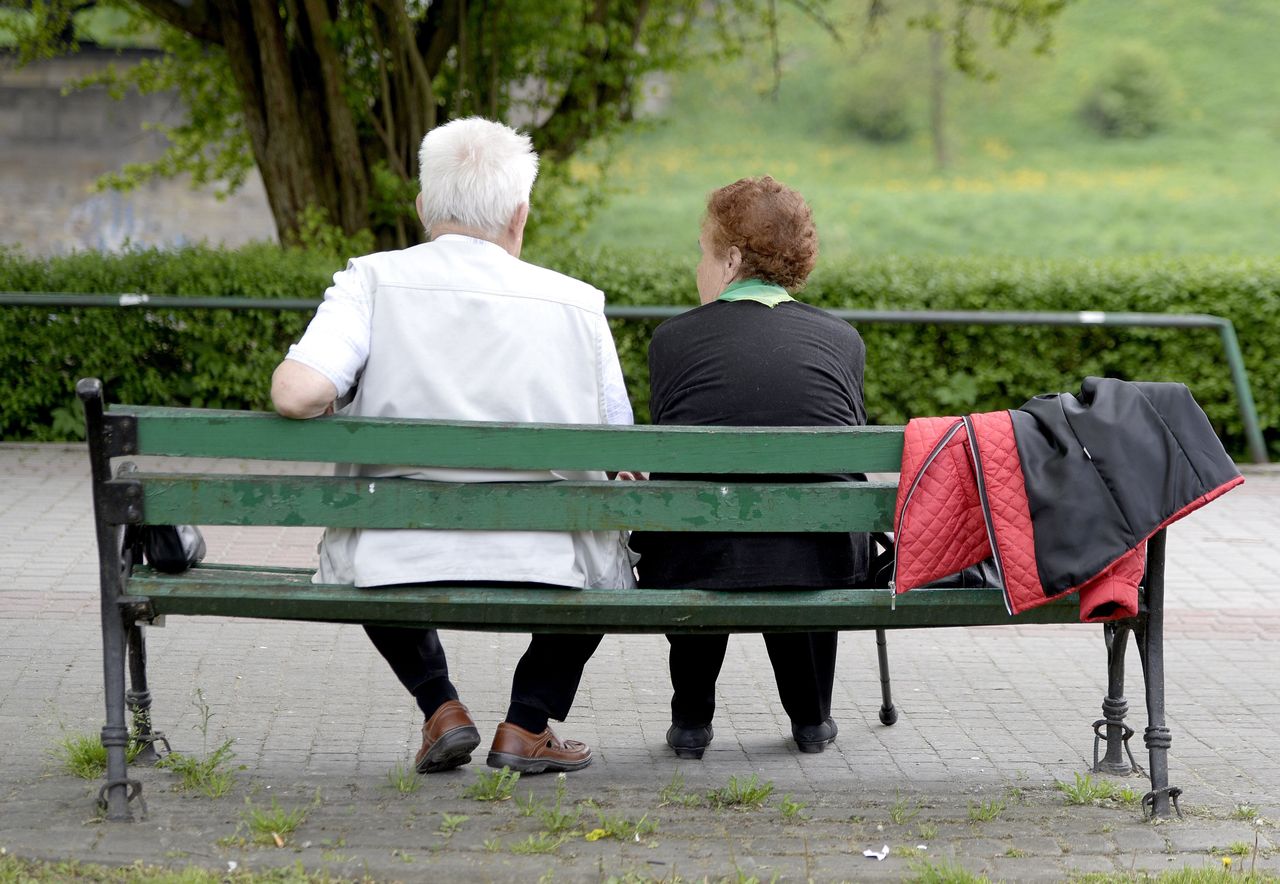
{"x": 543, "y": 687}
{"x": 804, "y": 666}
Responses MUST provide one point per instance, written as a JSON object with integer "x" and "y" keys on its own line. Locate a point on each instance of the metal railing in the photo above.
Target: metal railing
{"x": 1226, "y": 331}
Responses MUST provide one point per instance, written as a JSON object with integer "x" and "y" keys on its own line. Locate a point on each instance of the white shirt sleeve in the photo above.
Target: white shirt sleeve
{"x": 336, "y": 342}
{"x": 617, "y": 407}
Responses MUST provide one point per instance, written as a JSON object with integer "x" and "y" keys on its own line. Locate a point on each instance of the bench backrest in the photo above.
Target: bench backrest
{"x": 302, "y": 500}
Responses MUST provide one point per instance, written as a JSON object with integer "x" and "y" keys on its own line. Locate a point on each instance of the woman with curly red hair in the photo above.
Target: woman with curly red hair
{"x": 752, "y": 355}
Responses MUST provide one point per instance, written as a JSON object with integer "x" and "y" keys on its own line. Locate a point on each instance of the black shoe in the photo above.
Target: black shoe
{"x": 812, "y": 737}
{"x": 689, "y": 742}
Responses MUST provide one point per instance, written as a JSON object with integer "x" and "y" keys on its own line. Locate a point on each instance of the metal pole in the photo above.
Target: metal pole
{"x": 1230, "y": 344}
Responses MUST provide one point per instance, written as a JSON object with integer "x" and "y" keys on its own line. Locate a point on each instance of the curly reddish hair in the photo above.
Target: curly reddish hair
{"x": 770, "y": 224}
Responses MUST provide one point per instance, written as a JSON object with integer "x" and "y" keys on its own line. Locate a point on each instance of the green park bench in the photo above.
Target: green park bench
{"x": 135, "y": 595}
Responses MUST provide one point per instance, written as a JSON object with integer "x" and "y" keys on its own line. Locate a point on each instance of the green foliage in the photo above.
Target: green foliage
{"x": 210, "y": 358}
{"x": 272, "y": 825}
{"x": 404, "y": 779}
{"x": 903, "y": 810}
{"x": 622, "y": 828}
{"x": 493, "y": 785}
{"x": 203, "y": 774}
{"x": 224, "y": 360}
{"x": 451, "y": 822}
{"x": 1132, "y": 96}
{"x": 985, "y": 811}
{"x": 747, "y": 793}
{"x": 878, "y": 108}
{"x": 674, "y": 792}
{"x": 1086, "y": 790}
{"x": 944, "y": 873}
{"x": 84, "y": 756}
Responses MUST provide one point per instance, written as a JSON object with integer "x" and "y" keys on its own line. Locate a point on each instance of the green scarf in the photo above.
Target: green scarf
{"x": 755, "y": 290}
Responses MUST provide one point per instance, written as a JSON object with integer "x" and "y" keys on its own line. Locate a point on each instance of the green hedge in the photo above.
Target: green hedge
{"x": 220, "y": 358}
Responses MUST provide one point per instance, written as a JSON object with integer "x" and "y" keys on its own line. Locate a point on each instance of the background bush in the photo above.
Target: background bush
{"x": 223, "y": 359}
{"x": 1133, "y": 95}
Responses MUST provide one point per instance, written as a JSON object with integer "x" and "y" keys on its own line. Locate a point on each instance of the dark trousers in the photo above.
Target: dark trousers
{"x": 804, "y": 666}
{"x": 543, "y": 687}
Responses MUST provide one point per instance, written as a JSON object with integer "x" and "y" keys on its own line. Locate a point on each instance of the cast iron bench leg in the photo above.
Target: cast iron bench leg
{"x": 888, "y": 714}
{"x": 139, "y": 700}
{"x": 1151, "y": 647}
{"x": 1114, "y": 707}
{"x": 118, "y": 790}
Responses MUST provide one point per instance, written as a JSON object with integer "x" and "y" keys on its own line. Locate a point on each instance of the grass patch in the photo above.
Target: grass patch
{"x": 495, "y": 785}
{"x": 675, "y": 792}
{"x": 271, "y": 825}
{"x": 792, "y": 811}
{"x": 1015, "y": 853}
{"x": 404, "y": 779}
{"x": 986, "y": 811}
{"x": 1244, "y": 812}
{"x": 622, "y": 828}
{"x": 543, "y": 842}
{"x": 1087, "y": 790}
{"x": 944, "y": 873}
{"x": 903, "y": 811}
{"x": 205, "y": 775}
{"x": 451, "y": 822}
{"x": 748, "y": 793}
{"x": 927, "y": 831}
{"x": 23, "y": 871}
{"x": 84, "y": 756}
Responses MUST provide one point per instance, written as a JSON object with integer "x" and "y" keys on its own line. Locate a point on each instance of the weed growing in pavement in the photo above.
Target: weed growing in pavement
{"x": 986, "y": 811}
{"x": 84, "y": 756}
{"x": 903, "y": 811}
{"x": 927, "y": 831}
{"x": 1086, "y": 790}
{"x": 750, "y": 793}
{"x": 271, "y": 825}
{"x": 203, "y": 775}
{"x": 495, "y": 785}
{"x": 674, "y": 793}
{"x": 1245, "y": 812}
{"x": 1235, "y": 848}
{"x": 543, "y": 842}
{"x": 450, "y": 823}
{"x": 555, "y": 818}
{"x": 792, "y": 811}
{"x": 622, "y": 828}
{"x": 529, "y": 804}
{"x": 1128, "y": 796}
{"x": 493, "y": 845}
{"x": 1015, "y": 853}
{"x": 944, "y": 873}
{"x": 905, "y": 850}
{"x": 404, "y": 780}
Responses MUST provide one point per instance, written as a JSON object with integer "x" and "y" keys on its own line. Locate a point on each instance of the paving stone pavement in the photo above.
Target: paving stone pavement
{"x": 990, "y": 719}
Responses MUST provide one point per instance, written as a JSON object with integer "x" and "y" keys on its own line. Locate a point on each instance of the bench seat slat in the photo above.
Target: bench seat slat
{"x": 225, "y": 499}
{"x": 246, "y": 592}
{"x": 191, "y": 432}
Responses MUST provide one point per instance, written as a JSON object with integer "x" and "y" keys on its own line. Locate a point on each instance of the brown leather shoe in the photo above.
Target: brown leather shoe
{"x": 448, "y": 738}
{"x": 531, "y": 753}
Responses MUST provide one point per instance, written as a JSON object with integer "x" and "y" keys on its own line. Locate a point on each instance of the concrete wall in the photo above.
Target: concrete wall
{"x": 54, "y": 146}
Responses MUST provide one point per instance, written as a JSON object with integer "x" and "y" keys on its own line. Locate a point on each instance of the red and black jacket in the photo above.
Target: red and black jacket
{"x": 1061, "y": 493}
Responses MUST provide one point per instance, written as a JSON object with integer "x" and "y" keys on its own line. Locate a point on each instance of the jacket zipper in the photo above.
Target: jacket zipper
{"x": 981, "y": 481}
{"x": 906, "y": 502}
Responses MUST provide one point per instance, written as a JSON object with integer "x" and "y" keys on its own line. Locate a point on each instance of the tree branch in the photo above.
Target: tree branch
{"x": 199, "y": 18}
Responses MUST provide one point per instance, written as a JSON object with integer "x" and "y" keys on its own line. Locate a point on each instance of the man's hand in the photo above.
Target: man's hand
{"x": 299, "y": 391}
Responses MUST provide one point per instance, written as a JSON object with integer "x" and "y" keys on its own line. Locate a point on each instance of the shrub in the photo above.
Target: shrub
{"x": 220, "y": 358}
{"x": 878, "y": 109}
{"x": 1132, "y": 95}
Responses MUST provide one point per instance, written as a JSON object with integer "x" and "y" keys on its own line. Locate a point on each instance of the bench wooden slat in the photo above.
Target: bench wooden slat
{"x": 227, "y": 499}
{"x": 246, "y": 592}
{"x": 192, "y": 432}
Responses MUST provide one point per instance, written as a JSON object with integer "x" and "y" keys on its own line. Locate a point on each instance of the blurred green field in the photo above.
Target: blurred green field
{"x": 1027, "y": 177}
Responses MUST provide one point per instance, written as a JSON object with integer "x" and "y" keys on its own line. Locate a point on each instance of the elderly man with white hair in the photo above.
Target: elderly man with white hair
{"x": 459, "y": 328}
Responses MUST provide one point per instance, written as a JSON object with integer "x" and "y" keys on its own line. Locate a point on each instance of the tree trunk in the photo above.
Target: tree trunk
{"x": 937, "y": 96}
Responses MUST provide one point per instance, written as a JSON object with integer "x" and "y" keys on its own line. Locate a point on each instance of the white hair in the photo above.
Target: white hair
{"x": 475, "y": 173}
